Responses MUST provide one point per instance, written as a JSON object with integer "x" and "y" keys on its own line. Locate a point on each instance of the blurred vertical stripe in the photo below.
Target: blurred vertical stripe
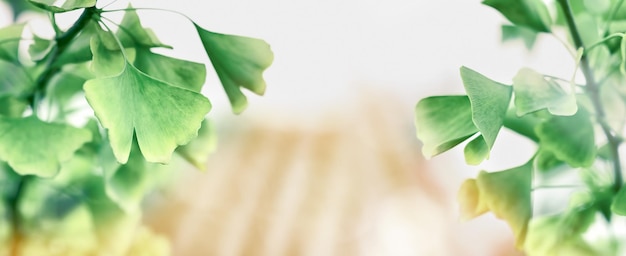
{"x": 355, "y": 184}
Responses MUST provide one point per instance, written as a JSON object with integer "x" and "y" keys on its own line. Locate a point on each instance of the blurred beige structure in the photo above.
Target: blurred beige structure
{"x": 354, "y": 183}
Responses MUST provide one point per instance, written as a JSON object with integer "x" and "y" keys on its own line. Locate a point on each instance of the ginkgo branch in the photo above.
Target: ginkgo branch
{"x": 62, "y": 42}
{"x": 593, "y": 89}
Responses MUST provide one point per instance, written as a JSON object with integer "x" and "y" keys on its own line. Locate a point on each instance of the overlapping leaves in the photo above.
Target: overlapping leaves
{"x": 533, "y": 92}
{"x": 444, "y": 122}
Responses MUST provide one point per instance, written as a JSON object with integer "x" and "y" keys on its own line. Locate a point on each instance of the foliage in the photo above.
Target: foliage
{"x": 577, "y": 129}
{"x": 73, "y": 183}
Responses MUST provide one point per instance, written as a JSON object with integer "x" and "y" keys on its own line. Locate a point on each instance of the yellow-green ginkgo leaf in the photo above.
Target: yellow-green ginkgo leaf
{"x": 505, "y": 193}
{"x": 160, "y": 115}
{"x": 32, "y": 146}
{"x": 239, "y": 62}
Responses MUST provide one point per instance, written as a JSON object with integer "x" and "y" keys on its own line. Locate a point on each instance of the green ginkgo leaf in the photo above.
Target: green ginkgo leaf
{"x": 181, "y": 73}
{"x": 127, "y": 184}
{"x": 28, "y": 147}
{"x": 106, "y": 62}
{"x": 197, "y": 151}
{"x": 443, "y": 122}
{"x": 569, "y": 138}
{"x": 476, "y": 151}
{"x": 132, "y": 34}
{"x": 489, "y": 100}
{"x": 160, "y": 115}
{"x": 562, "y": 234}
{"x": 39, "y": 48}
{"x": 11, "y": 106}
{"x": 619, "y": 202}
{"x": 10, "y": 38}
{"x": 533, "y": 91}
{"x": 239, "y": 62}
{"x": 527, "y": 35}
{"x": 63, "y": 6}
{"x": 532, "y": 14}
{"x": 505, "y": 193}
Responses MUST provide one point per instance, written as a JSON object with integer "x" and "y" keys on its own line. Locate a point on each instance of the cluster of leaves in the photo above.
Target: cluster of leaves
{"x": 577, "y": 129}
{"x": 72, "y": 183}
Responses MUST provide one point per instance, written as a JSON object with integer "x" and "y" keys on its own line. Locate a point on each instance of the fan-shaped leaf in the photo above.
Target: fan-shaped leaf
{"x": 181, "y": 73}
{"x": 28, "y": 146}
{"x": 489, "y": 100}
{"x": 132, "y": 34}
{"x": 505, "y": 193}
{"x": 529, "y": 13}
{"x": 160, "y": 115}
{"x": 443, "y": 122}
{"x": 569, "y": 138}
{"x": 476, "y": 151}
{"x": 239, "y": 62}
{"x": 534, "y": 92}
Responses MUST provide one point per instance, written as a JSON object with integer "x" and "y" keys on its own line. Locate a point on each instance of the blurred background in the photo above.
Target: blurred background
{"x": 327, "y": 162}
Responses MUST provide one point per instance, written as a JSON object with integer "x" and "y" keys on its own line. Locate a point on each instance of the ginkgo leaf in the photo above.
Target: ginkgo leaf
{"x": 181, "y": 73}
{"x": 106, "y": 62}
{"x": 197, "y": 151}
{"x": 619, "y": 203}
{"x": 476, "y": 151}
{"x": 132, "y": 34}
{"x": 239, "y": 62}
{"x": 505, "y": 193}
{"x": 470, "y": 201}
{"x": 535, "y": 92}
{"x": 61, "y": 5}
{"x": 524, "y": 125}
{"x": 10, "y": 38}
{"x": 527, "y": 35}
{"x": 26, "y": 144}
{"x": 39, "y": 48}
{"x": 160, "y": 115}
{"x": 546, "y": 161}
{"x": 562, "y": 234}
{"x": 443, "y": 122}
{"x": 569, "y": 138}
{"x": 11, "y": 106}
{"x": 529, "y": 13}
{"x": 489, "y": 100}
{"x": 14, "y": 79}
{"x": 127, "y": 184}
